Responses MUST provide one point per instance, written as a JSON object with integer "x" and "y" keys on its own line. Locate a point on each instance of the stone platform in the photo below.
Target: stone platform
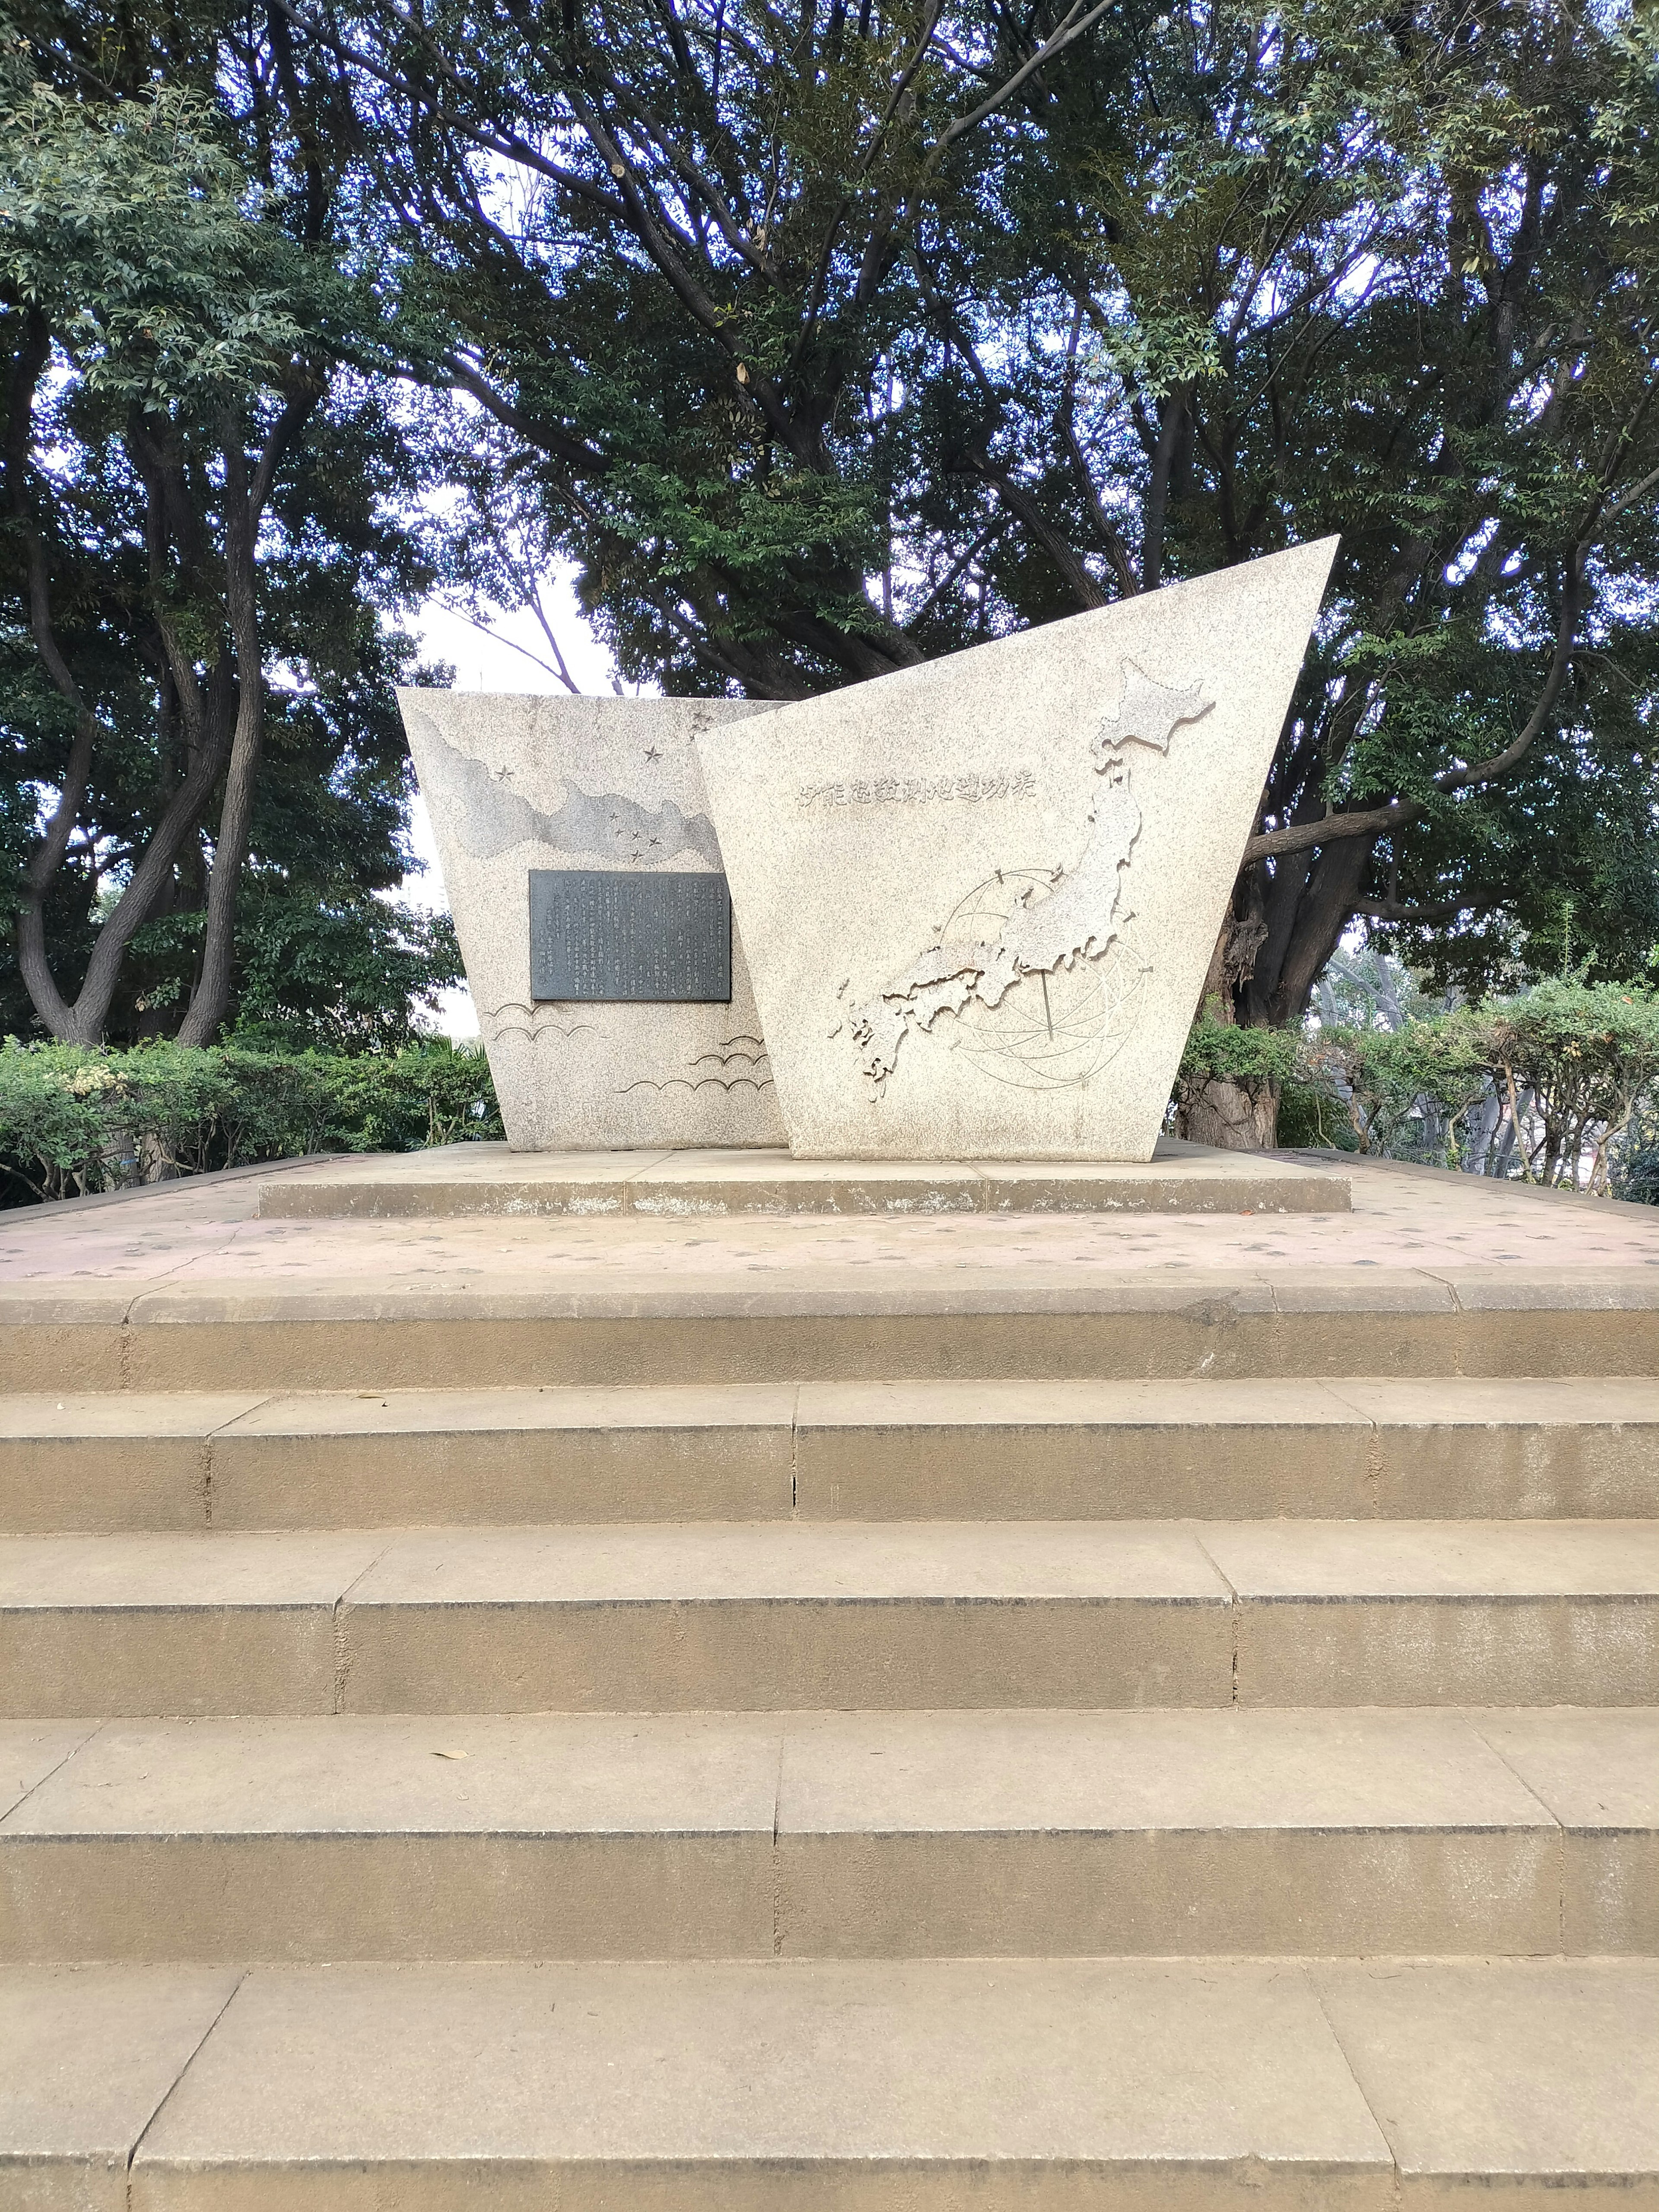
{"x": 454, "y": 1180}
{"x": 787, "y": 1713}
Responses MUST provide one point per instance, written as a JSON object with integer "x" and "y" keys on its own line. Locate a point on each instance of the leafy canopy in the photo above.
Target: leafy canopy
{"x": 828, "y": 341}
{"x": 825, "y": 342}
{"x": 206, "y": 541}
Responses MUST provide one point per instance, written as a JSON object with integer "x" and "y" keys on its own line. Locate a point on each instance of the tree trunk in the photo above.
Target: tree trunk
{"x": 211, "y": 997}
{"x": 82, "y": 1022}
{"x": 1236, "y": 1117}
{"x": 1300, "y": 911}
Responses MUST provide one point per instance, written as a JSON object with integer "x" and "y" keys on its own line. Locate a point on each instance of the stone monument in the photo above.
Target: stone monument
{"x": 584, "y": 875}
{"x": 980, "y": 897}
{"x": 971, "y": 905}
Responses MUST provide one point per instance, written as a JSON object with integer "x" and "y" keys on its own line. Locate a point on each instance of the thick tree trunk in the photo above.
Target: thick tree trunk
{"x": 1238, "y": 1117}
{"x": 83, "y": 1021}
{"x": 1280, "y": 933}
{"x": 1300, "y": 911}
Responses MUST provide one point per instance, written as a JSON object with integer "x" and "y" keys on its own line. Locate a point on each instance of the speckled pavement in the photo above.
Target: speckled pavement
{"x": 764, "y": 1713}
{"x": 1405, "y": 1221}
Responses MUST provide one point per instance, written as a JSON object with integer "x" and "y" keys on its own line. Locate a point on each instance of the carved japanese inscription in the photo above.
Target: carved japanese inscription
{"x": 610, "y": 934}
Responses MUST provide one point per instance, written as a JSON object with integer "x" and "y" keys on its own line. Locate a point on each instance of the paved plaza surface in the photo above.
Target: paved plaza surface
{"x": 1417, "y": 1227}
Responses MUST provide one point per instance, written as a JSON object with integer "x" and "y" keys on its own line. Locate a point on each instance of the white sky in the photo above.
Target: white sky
{"x": 489, "y": 663}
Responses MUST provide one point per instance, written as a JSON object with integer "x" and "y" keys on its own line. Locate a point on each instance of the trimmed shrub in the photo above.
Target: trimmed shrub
{"x": 1557, "y": 1085}
{"x": 1588, "y": 1052}
{"x": 77, "y": 1119}
{"x": 1407, "y": 1093}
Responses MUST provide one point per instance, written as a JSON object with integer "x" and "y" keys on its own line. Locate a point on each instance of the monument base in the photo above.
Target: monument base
{"x": 491, "y": 1179}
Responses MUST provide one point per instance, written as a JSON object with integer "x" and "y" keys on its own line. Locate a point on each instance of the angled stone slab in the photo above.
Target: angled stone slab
{"x": 764, "y": 2086}
{"x": 1507, "y": 2081}
{"x": 980, "y": 897}
{"x": 522, "y": 784}
{"x": 87, "y": 2057}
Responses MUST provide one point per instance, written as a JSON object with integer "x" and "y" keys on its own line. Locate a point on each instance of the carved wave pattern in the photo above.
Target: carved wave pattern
{"x": 737, "y": 1063}
{"x": 702, "y": 1083}
{"x": 726, "y": 1055}
{"x": 536, "y": 1023}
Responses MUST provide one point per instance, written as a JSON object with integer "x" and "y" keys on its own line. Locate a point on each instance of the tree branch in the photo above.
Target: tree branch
{"x": 1391, "y": 910}
{"x": 1500, "y": 763}
{"x": 1072, "y": 27}
{"x": 1023, "y": 506}
{"x": 47, "y": 857}
{"x": 211, "y": 996}
{"x": 1377, "y": 821}
{"x": 963, "y": 561}
{"x": 297, "y": 410}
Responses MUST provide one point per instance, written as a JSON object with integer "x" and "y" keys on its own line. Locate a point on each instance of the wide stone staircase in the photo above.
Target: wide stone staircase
{"x": 1163, "y": 1751}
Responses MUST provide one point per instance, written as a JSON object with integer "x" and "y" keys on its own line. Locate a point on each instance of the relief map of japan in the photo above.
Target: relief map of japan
{"x": 1051, "y": 920}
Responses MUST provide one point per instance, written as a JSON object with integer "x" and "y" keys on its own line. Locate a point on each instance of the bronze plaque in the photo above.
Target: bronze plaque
{"x": 600, "y": 934}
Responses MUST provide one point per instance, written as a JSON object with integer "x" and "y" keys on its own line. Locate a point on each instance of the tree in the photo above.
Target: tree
{"x": 830, "y": 341}
{"x": 200, "y": 535}
{"x": 351, "y": 975}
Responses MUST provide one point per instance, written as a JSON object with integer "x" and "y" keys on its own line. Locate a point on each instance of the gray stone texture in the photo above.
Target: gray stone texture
{"x": 980, "y": 897}
{"x": 516, "y": 783}
{"x": 450, "y": 1180}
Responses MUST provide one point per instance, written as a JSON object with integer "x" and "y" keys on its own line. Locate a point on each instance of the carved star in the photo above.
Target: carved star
{"x": 652, "y": 753}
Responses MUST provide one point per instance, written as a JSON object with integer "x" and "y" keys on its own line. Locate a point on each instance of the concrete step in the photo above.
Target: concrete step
{"x": 775, "y": 1615}
{"x": 1392, "y": 1447}
{"x": 745, "y": 1322}
{"x": 1345, "y": 2086}
{"x": 832, "y": 1834}
{"x": 453, "y": 1181}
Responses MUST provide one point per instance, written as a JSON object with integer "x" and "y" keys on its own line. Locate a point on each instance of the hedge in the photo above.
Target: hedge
{"x": 78, "y": 1119}
{"x": 1561, "y": 1079}
{"x": 1570, "y": 1071}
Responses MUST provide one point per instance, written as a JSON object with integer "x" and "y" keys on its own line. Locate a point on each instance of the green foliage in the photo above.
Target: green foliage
{"x": 1635, "y": 1156}
{"x": 1269, "y": 1067}
{"x": 1586, "y": 1053}
{"x": 827, "y": 342}
{"x": 1221, "y": 1051}
{"x": 1408, "y": 1090}
{"x": 1309, "y": 1114}
{"x": 77, "y": 1119}
{"x": 1567, "y": 1068}
{"x": 342, "y": 976}
{"x": 194, "y": 426}
{"x": 129, "y": 228}
{"x": 334, "y": 974}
